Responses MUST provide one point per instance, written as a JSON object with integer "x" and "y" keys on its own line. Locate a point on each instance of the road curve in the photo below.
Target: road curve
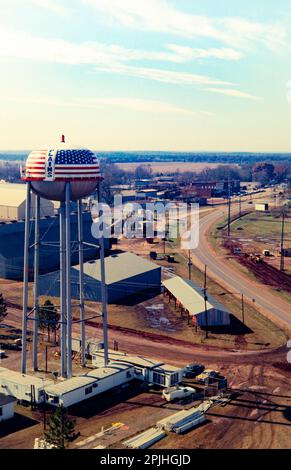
{"x": 219, "y": 268}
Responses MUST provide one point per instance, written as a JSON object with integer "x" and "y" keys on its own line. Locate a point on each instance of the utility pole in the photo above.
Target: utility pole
{"x": 282, "y": 263}
{"x": 205, "y": 302}
{"x": 240, "y": 207}
{"x": 243, "y": 308}
{"x": 189, "y": 264}
{"x": 229, "y": 204}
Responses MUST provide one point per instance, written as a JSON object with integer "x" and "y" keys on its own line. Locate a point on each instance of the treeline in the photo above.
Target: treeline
{"x": 196, "y": 157}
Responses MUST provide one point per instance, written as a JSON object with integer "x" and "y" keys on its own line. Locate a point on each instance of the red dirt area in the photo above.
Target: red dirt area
{"x": 263, "y": 271}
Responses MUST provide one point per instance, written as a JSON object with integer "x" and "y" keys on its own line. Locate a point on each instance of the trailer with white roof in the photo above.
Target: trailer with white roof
{"x": 21, "y": 386}
{"x": 76, "y": 389}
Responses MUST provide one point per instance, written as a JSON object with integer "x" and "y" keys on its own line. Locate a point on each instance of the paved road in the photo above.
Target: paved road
{"x": 236, "y": 281}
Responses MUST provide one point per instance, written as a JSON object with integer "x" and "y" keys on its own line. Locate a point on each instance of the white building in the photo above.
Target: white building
{"x": 22, "y": 387}
{"x": 6, "y": 407}
{"x": 262, "y": 207}
{"x": 77, "y": 389}
{"x": 146, "y": 369}
{"x": 13, "y": 200}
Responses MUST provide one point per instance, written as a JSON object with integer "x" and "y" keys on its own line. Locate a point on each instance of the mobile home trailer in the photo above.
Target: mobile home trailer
{"x": 74, "y": 390}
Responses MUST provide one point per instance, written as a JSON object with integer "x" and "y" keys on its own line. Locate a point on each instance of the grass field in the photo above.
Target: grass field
{"x": 260, "y": 226}
{"x": 170, "y": 167}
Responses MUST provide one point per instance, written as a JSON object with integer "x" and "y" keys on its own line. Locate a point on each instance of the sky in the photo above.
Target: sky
{"x": 173, "y": 75}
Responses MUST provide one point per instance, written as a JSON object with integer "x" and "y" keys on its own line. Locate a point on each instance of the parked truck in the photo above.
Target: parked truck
{"x": 177, "y": 393}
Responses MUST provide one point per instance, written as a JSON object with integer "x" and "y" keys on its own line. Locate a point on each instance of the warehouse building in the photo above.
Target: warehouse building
{"x": 190, "y": 298}
{"x": 12, "y": 243}
{"x": 6, "y": 407}
{"x": 126, "y": 274}
{"x": 13, "y": 201}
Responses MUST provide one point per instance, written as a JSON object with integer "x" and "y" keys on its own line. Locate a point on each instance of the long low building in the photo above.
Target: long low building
{"x": 126, "y": 274}
{"x": 190, "y": 297}
{"x": 21, "y": 386}
{"x": 77, "y": 389}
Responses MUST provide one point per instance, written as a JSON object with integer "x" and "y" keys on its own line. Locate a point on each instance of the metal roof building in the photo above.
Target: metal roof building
{"x": 191, "y": 298}
{"x": 126, "y": 274}
{"x": 13, "y": 199}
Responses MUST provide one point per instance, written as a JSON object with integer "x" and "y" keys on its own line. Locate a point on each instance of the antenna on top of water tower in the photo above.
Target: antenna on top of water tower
{"x": 61, "y": 174}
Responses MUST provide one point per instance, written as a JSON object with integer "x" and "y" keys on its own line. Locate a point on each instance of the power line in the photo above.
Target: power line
{"x": 282, "y": 262}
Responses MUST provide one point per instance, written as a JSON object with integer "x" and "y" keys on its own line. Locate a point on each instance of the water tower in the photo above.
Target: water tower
{"x": 64, "y": 173}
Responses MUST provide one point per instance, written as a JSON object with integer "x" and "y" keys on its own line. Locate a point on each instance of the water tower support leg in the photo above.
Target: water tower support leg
{"x": 81, "y": 282}
{"x": 68, "y": 282}
{"x": 63, "y": 290}
{"x": 103, "y": 287}
{"x": 25, "y": 277}
{"x": 36, "y": 280}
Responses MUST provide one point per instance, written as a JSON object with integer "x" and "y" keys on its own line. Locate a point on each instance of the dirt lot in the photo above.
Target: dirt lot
{"x": 258, "y": 416}
{"x": 254, "y": 233}
{"x": 170, "y": 167}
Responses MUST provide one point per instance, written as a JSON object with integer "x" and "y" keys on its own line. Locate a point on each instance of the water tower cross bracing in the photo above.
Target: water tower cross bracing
{"x": 61, "y": 173}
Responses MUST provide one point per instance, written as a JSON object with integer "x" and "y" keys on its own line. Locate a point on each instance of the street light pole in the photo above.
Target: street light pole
{"x": 243, "y": 308}
{"x": 205, "y": 302}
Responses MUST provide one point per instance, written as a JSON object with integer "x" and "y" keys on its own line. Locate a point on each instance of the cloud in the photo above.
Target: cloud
{"x": 161, "y": 16}
{"x": 53, "y": 6}
{"x": 161, "y": 75}
{"x": 234, "y": 93}
{"x": 135, "y": 104}
{"x": 105, "y": 58}
{"x": 186, "y": 53}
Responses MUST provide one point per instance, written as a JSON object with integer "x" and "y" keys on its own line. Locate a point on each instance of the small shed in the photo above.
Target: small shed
{"x": 91, "y": 345}
{"x": 190, "y": 297}
{"x": 126, "y": 274}
{"x": 261, "y": 207}
{"x": 7, "y": 403}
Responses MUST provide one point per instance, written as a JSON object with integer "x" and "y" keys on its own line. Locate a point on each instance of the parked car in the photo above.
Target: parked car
{"x": 2, "y": 354}
{"x": 177, "y": 393}
{"x": 192, "y": 370}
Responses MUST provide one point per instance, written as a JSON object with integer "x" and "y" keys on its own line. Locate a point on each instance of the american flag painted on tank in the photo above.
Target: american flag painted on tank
{"x": 62, "y": 164}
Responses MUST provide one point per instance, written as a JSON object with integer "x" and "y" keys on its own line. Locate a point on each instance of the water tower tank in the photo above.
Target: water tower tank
{"x": 50, "y": 167}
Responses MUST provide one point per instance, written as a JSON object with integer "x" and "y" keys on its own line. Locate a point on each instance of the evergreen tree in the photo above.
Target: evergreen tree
{"x": 61, "y": 429}
{"x": 48, "y": 317}
{"x": 3, "y": 308}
